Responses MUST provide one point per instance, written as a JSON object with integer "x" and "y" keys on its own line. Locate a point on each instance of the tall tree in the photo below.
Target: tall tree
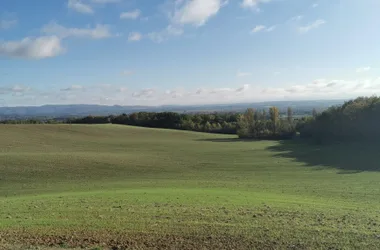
{"x": 290, "y": 116}
{"x": 274, "y": 115}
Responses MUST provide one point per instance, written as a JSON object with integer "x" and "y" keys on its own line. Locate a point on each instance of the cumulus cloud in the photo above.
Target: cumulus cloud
{"x": 313, "y": 25}
{"x": 7, "y": 24}
{"x": 363, "y": 69}
{"x": 253, "y": 3}
{"x": 80, "y": 7}
{"x": 134, "y": 36}
{"x": 130, "y": 15}
{"x": 32, "y": 48}
{"x": 196, "y": 12}
{"x": 98, "y": 32}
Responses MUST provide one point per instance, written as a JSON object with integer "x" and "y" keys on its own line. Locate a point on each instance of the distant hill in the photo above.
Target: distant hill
{"x": 57, "y": 111}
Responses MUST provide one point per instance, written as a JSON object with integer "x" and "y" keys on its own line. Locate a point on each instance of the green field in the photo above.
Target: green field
{"x": 104, "y": 186}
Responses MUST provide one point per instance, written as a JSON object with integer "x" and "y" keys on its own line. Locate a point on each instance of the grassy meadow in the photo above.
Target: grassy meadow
{"x": 120, "y": 187}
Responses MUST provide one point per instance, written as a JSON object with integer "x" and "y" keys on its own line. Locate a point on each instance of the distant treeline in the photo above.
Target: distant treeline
{"x": 225, "y": 123}
{"x": 355, "y": 120}
{"x": 259, "y": 124}
{"x": 251, "y": 124}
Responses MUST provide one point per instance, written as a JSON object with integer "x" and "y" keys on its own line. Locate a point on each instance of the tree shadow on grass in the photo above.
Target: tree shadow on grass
{"x": 225, "y": 140}
{"x": 350, "y": 158}
{"x": 235, "y": 140}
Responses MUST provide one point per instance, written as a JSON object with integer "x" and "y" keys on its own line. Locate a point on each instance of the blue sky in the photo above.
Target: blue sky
{"x": 154, "y": 52}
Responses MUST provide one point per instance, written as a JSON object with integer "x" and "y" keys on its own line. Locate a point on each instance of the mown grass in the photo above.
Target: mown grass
{"x": 103, "y": 186}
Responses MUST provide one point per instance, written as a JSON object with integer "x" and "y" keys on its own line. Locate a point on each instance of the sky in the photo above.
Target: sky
{"x": 166, "y": 52}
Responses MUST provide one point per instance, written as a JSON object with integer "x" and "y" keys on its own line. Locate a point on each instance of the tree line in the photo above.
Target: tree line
{"x": 253, "y": 124}
{"x": 358, "y": 119}
{"x": 225, "y": 123}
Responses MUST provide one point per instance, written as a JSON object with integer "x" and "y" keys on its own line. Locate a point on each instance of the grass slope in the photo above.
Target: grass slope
{"x": 118, "y": 186}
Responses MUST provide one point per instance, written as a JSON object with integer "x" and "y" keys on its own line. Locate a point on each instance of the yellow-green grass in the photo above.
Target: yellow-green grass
{"x": 103, "y": 186}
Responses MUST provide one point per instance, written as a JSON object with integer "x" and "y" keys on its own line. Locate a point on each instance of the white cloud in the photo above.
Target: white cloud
{"x": 145, "y": 93}
{"x": 271, "y": 28}
{"x": 122, "y": 89}
{"x": 245, "y": 87}
{"x": 242, "y": 74}
{"x": 99, "y": 32}
{"x": 134, "y": 36}
{"x": 7, "y": 24}
{"x": 196, "y": 12}
{"x": 130, "y": 15}
{"x": 296, "y": 18}
{"x": 311, "y": 26}
{"x": 113, "y": 94}
{"x": 32, "y": 48}
{"x": 253, "y": 3}
{"x": 163, "y": 35}
{"x": 315, "y": 5}
{"x": 363, "y": 69}
{"x": 79, "y": 6}
{"x": 259, "y": 28}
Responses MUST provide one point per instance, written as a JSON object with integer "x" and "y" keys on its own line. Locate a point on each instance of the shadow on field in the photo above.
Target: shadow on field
{"x": 225, "y": 140}
{"x": 350, "y": 158}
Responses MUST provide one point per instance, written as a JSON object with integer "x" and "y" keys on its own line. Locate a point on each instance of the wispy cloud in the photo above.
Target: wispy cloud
{"x": 7, "y": 24}
{"x": 363, "y": 69}
{"x": 145, "y": 93}
{"x": 16, "y": 89}
{"x": 296, "y": 18}
{"x": 313, "y": 25}
{"x": 73, "y": 88}
{"x": 163, "y": 35}
{"x": 315, "y": 5}
{"x": 134, "y": 36}
{"x": 98, "y": 32}
{"x": 79, "y": 6}
{"x": 106, "y": 1}
{"x": 112, "y": 94}
{"x": 32, "y": 48}
{"x": 127, "y": 72}
{"x": 259, "y": 28}
{"x": 243, "y": 74}
{"x": 253, "y": 3}
{"x": 130, "y": 15}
